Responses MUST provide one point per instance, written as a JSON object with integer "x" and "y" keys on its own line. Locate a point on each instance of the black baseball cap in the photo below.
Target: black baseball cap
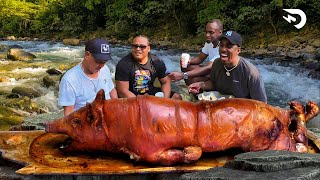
{"x": 99, "y": 48}
{"x": 233, "y": 37}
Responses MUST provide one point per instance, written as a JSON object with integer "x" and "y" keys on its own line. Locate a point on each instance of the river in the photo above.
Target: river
{"x": 282, "y": 84}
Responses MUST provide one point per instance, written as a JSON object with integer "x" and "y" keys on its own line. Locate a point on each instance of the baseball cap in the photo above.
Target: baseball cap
{"x": 233, "y": 37}
{"x": 99, "y": 48}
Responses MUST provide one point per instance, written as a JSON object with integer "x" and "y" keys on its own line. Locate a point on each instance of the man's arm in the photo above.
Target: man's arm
{"x": 68, "y": 110}
{"x": 256, "y": 88}
{"x": 122, "y": 88}
{"x": 195, "y": 88}
{"x": 198, "y": 59}
{"x": 201, "y": 71}
{"x": 113, "y": 93}
{"x": 166, "y": 86}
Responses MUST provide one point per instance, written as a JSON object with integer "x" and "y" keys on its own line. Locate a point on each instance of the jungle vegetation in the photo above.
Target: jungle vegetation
{"x": 171, "y": 20}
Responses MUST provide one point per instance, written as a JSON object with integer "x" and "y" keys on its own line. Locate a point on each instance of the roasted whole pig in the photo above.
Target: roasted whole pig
{"x": 165, "y": 131}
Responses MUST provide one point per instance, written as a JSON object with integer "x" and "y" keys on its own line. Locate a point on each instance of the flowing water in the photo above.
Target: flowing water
{"x": 282, "y": 84}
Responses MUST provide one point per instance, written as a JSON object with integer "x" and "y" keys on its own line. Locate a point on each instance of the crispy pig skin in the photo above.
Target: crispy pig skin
{"x": 165, "y": 131}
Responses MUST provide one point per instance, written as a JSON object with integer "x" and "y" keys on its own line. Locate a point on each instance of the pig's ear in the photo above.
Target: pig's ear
{"x": 100, "y": 95}
{"x": 89, "y": 112}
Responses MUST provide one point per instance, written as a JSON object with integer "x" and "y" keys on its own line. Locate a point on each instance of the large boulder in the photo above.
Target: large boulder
{"x": 265, "y": 165}
{"x": 17, "y": 54}
{"x": 26, "y": 91}
{"x": 48, "y": 81}
{"x": 8, "y": 118}
{"x": 71, "y": 42}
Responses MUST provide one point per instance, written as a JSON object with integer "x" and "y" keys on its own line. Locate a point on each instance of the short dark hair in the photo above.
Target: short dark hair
{"x": 143, "y": 36}
{"x": 218, "y": 22}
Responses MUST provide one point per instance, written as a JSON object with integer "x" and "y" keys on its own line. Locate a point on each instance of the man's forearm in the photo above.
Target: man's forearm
{"x": 207, "y": 86}
{"x": 125, "y": 94}
{"x": 201, "y": 71}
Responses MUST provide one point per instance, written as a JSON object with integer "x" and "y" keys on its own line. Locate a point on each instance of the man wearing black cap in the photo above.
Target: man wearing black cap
{"x": 81, "y": 83}
{"x": 232, "y": 74}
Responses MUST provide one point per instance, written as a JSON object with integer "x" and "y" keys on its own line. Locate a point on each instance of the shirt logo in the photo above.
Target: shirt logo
{"x": 105, "y": 48}
{"x": 228, "y": 33}
{"x": 293, "y": 19}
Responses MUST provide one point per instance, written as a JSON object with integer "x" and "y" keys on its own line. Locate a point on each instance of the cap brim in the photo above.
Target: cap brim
{"x": 102, "y": 57}
{"x": 227, "y": 37}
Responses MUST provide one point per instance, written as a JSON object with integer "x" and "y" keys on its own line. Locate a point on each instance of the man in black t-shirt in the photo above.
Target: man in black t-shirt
{"x": 232, "y": 74}
{"x": 136, "y": 72}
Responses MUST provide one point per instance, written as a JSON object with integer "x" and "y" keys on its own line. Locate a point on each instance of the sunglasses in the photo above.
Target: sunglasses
{"x": 141, "y": 46}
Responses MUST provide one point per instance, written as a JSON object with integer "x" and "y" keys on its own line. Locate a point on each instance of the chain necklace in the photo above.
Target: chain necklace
{"x": 228, "y": 70}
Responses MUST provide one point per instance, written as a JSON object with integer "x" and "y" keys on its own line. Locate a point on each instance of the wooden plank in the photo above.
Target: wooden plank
{"x": 39, "y": 151}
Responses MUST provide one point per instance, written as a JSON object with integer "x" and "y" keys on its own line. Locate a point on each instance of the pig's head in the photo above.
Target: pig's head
{"x": 85, "y": 127}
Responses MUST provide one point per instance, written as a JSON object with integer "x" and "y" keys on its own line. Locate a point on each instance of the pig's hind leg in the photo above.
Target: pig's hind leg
{"x": 187, "y": 155}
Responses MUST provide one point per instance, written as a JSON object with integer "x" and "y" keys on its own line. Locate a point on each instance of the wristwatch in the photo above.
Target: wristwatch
{"x": 185, "y": 76}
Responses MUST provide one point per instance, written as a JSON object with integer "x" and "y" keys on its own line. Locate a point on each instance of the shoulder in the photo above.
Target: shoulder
{"x": 125, "y": 60}
{"x": 72, "y": 73}
{"x": 208, "y": 45}
{"x": 156, "y": 60}
{"x": 249, "y": 67}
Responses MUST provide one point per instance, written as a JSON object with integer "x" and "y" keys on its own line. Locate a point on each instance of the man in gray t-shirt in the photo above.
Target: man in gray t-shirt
{"x": 232, "y": 74}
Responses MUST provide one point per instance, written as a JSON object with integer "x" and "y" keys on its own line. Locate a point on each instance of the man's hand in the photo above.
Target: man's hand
{"x": 175, "y": 76}
{"x": 194, "y": 88}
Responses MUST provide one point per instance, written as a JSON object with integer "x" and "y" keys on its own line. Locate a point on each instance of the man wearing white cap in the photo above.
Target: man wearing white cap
{"x": 81, "y": 83}
{"x": 232, "y": 74}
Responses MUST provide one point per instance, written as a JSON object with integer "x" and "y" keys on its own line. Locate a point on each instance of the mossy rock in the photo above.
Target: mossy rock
{"x": 48, "y": 81}
{"x": 23, "y": 103}
{"x": 4, "y": 48}
{"x": 8, "y": 118}
{"x": 20, "y": 55}
{"x": 26, "y": 91}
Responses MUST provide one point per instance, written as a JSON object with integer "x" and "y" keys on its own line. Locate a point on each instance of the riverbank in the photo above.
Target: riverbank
{"x": 301, "y": 47}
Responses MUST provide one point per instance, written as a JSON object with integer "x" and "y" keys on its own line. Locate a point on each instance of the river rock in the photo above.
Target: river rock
{"x": 299, "y": 39}
{"x": 3, "y": 55}
{"x": 294, "y": 44}
{"x": 4, "y": 79}
{"x": 11, "y": 38}
{"x": 8, "y": 118}
{"x": 53, "y": 71}
{"x": 314, "y": 74}
{"x": 26, "y": 91}
{"x": 48, "y": 81}
{"x": 15, "y": 46}
{"x": 308, "y": 49}
{"x": 308, "y": 56}
{"x": 20, "y": 55}
{"x": 272, "y": 47}
{"x": 315, "y": 43}
{"x": 265, "y": 165}
{"x": 293, "y": 54}
{"x": 4, "y": 48}
{"x": 72, "y": 42}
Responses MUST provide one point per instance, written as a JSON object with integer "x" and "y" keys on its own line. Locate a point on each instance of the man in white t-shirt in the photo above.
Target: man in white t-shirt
{"x": 81, "y": 83}
{"x": 195, "y": 71}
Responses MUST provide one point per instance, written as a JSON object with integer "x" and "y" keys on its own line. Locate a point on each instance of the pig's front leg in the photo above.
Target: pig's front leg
{"x": 187, "y": 155}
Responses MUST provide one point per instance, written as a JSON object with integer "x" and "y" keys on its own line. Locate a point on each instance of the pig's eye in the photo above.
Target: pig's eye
{"x": 76, "y": 121}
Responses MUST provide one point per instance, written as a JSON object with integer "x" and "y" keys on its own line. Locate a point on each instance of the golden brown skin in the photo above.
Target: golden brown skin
{"x": 166, "y": 131}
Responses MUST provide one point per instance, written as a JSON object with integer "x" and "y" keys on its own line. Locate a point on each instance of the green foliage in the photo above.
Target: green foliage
{"x": 165, "y": 19}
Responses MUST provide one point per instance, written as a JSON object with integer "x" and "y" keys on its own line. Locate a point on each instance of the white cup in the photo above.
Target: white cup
{"x": 159, "y": 94}
{"x": 185, "y": 57}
